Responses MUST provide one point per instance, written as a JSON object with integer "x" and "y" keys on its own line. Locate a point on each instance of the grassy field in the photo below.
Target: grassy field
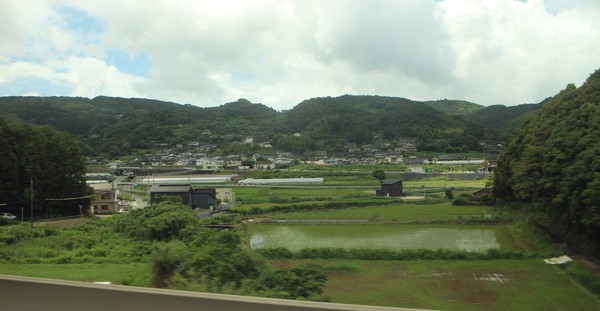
{"x": 498, "y": 284}
{"x": 453, "y": 285}
{"x": 402, "y": 212}
{"x": 444, "y": 183}
{"x": 258, "y": 195}
{"x": 134, "y": 274}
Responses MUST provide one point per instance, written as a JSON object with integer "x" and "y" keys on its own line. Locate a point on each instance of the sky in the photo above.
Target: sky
{"x": 281, "y": 52}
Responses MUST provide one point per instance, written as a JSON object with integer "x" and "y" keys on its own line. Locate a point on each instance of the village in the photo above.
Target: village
{"x": 203, "y": 180}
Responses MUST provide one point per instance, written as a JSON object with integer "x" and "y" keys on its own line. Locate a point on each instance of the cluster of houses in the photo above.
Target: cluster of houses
{"x": 203, "y": 200}
{"x": 206, "y": 201}
{"x": 203, "y": 157}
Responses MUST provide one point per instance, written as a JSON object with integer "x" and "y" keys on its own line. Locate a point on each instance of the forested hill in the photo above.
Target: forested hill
{"x": 552, "y": 165}
{"x": 360, "y": 116}
{"x": 454, "y": 107}
{"x": 506, "y": 120}
{"x": 116, "y": 126}
{"x": 81, "y": 116}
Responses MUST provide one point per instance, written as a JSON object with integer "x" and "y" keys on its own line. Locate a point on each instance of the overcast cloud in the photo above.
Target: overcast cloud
{"x": 279, "y": 52}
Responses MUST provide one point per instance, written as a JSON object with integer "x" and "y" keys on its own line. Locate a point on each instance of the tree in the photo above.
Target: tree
{"x": 361, "y": 135}
{"x": 552, "y": 164}
{"x": 379, "y": 174}
{"x": 49, "y": 158}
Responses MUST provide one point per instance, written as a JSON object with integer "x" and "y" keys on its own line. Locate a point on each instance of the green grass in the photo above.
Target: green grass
{"x": 257, "y": 195}
{"x": 452, "y": 285}
{"x": 444, "y": 183}
{"x": 404, "y": 212}
{"x": 134, "y": 274}
{"x": 356, "y": 180}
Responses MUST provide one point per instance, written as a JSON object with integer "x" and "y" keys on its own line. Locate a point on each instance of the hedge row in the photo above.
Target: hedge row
{"x": 382, "y": 254}
{"x": 310, "y": 207}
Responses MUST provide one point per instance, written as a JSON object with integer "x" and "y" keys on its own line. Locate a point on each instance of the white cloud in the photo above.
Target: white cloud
{"x": 281, "y": 52}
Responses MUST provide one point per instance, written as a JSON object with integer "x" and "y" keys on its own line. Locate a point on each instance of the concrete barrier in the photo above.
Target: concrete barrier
{"x": 33, "y": 294}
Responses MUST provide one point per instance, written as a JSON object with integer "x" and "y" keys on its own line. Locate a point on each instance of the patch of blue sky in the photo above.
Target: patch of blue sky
{"x": 80, "y": 20}
{"x": 242, "y": 76}
{"x": 34, "y": 86}
{"x": 556, "y": 6}
{"x": 134, "y": 63}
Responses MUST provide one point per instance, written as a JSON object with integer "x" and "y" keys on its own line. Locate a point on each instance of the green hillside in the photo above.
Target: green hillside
{"x": 505, "y": 119}
{"x": 552, "y": 164}
{"x": 454, "y": 107}
{"x": 350, "y": 117}
{"x": 117, "y": 126}
{"x": 113, "y": 126}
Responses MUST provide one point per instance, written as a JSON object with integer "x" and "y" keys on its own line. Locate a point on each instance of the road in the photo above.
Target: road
{"x": 138, "y": 201}
{"x": 32, "y": 294}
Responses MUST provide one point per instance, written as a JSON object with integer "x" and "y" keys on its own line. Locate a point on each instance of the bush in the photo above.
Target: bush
{"x": 384, "y": 254}
{"x": 165, "y": 259}
{"x": 460, "y": 201}
{"x": 304, "y": 281}
{"x": 276, "y": 253}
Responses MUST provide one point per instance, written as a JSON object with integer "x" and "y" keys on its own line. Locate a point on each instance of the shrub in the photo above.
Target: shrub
{"x": 276, "y": 253}
{"x": 165, "y": 259}
{"x": 384, "y": 254}
{"x": 461, "y": 200}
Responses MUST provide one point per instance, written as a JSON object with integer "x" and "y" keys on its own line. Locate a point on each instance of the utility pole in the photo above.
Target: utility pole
{"x": 31, "y": 199}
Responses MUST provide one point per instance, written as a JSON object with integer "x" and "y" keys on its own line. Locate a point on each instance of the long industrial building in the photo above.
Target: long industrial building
{"x": 281, "y": 181}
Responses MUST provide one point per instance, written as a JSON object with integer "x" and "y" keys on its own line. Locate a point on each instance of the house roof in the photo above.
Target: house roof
{"x": 390, "y": 181}
{"x": 171, "y": 188}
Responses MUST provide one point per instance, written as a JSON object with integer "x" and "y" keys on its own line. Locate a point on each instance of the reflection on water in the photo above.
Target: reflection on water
{"x": 394, "y": 237}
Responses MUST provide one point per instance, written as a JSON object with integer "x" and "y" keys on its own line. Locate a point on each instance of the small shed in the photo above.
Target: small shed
{"x": 195, "y": 198}
{"x": 204, "y": 198}
{"x": 390, "y": 188}
{"x": 157, "y": 192}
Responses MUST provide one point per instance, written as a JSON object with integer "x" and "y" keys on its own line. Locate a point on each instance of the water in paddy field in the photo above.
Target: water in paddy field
{"x": 392, "y": 237}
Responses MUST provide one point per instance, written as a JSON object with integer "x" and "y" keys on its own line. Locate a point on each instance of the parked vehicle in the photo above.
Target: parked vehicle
{"x": 8, "y": 216}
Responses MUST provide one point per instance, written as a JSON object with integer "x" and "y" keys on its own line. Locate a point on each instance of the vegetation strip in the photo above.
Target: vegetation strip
{"x": 384, "y": 254}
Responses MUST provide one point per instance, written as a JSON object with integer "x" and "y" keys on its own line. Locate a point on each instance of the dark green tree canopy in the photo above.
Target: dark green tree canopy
{"x": 111, "y": 126}
{"x": 552, "y": 164}
{"x": 49, "y": 158}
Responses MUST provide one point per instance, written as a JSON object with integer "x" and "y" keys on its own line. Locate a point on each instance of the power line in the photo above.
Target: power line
{"x": 74, "y": 198}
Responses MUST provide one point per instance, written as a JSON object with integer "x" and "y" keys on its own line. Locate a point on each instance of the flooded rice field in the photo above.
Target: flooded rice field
{"x": 393, "y": 237}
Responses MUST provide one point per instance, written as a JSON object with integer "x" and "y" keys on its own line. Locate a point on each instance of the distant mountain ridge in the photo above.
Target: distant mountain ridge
{"x": 454, "y": 107}
{"x": 113, "y": 125}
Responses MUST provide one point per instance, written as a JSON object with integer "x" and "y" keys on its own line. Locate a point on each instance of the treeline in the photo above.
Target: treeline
{"x": 108, "y": 126}
{"x": 551, "y": 167}
{"x": 44, "y": 159}
{"x": 357, "y": 119}
{"x": 117, "y": 126}
{"x": 384, "y": 254}
{"x": 313, "y": 207}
